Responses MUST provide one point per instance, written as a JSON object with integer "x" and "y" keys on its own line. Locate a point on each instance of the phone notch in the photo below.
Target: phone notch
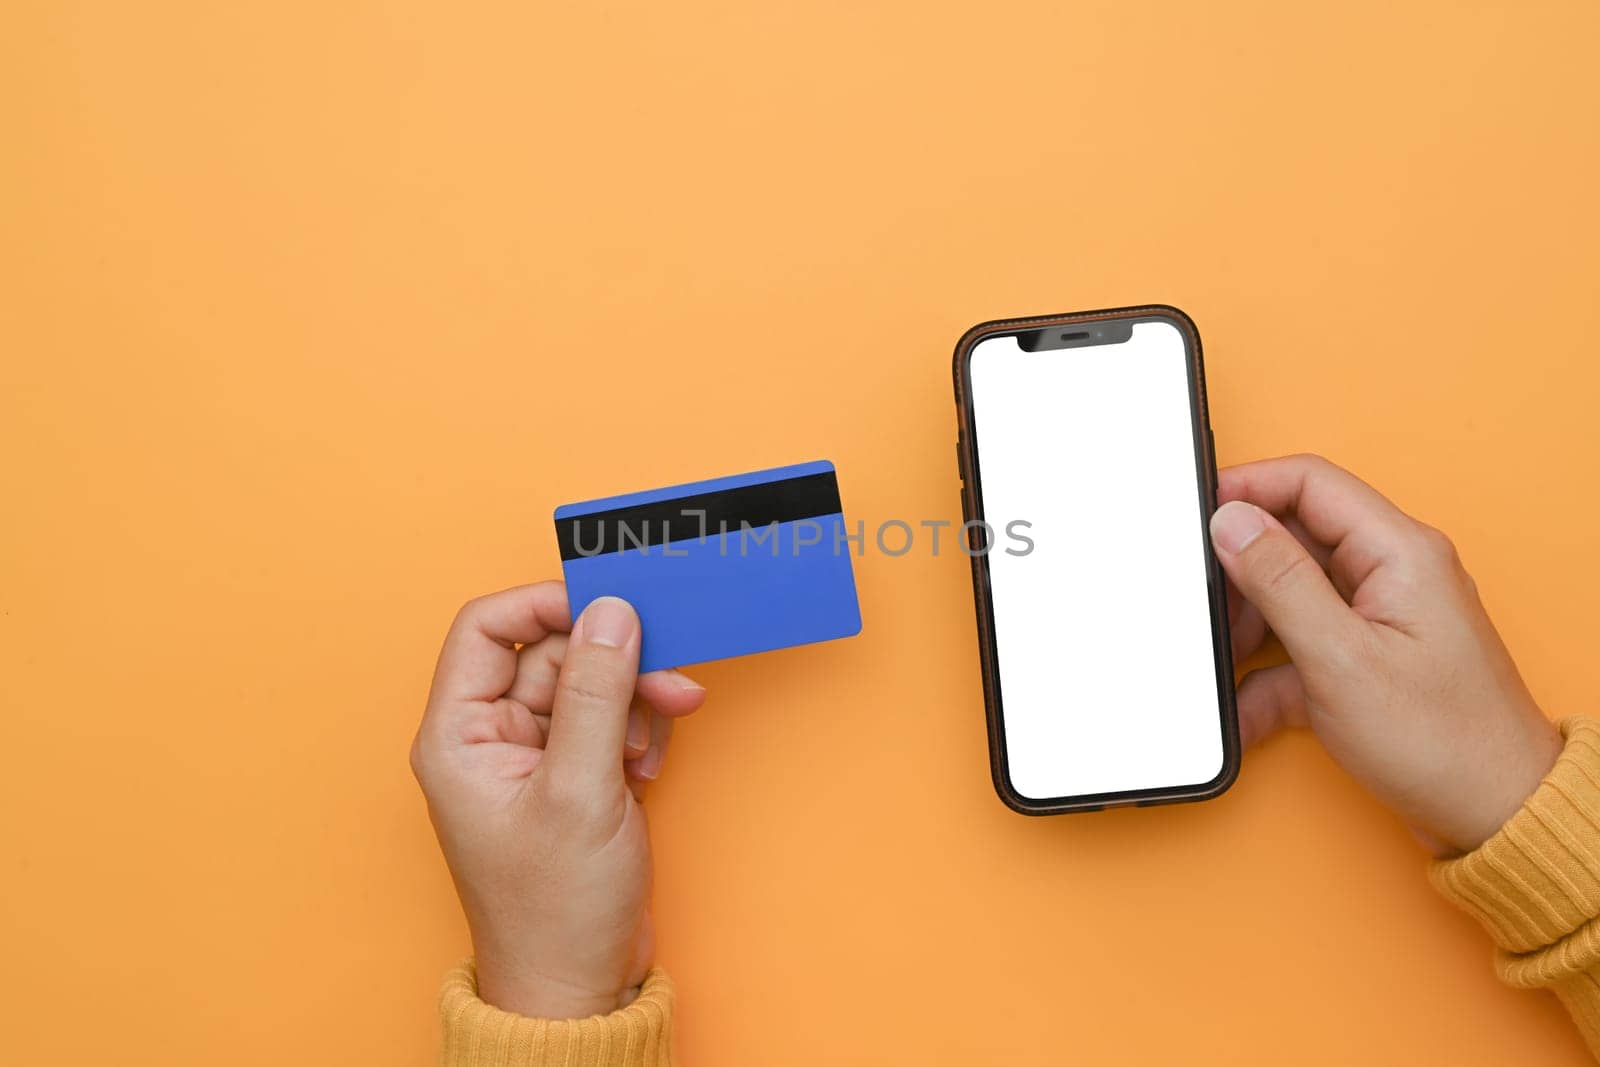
{"x": 1072, "y": 336}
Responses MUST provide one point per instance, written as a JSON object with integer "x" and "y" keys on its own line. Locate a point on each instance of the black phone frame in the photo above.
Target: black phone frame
{"x": 1206, "y": 482}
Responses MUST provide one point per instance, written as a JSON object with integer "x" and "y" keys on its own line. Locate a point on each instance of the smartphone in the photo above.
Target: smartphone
{"x": 1088, "y": 479}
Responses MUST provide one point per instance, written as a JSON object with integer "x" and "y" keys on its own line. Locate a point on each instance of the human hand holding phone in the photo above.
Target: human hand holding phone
{"x": 532, "y": 754}
{"x": 1393, "y": 660}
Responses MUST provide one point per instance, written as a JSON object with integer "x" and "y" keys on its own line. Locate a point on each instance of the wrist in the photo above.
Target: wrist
{"x": 540, "y": 996}
{"x": 1528, "y": 884}
{"x": 1506, "y": 790}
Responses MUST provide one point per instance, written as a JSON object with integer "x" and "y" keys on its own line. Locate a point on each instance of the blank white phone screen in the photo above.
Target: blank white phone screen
{"x": 1108, "y": 681}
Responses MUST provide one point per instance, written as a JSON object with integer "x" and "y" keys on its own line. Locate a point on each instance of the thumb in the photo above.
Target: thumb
{"x": 589, "y": 716}
{"x": 1276, "y": 574}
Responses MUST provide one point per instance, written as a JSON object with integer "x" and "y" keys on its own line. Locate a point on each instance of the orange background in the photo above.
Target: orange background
{"x": 310, "y": 313}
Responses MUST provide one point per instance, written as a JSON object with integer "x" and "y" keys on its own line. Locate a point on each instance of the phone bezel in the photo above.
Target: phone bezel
{"x": 1206, "y": 481}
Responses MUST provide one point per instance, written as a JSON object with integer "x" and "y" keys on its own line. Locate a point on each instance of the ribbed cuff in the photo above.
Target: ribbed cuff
{"x": 480, "y": 1035}
{"x": 1537, "y": 880}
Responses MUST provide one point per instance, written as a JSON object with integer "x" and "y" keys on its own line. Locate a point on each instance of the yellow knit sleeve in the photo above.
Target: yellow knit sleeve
{"x": 1535, "y": 885}
{"x": 480, "y": 1035}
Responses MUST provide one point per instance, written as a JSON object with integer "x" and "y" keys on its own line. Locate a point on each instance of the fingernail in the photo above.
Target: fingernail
{"x": 650, "y": 763}
{"x": 608, "y": 621}
{"x": 687, "y": 684}
{"x": 1235, "y": 525}
{"x": 638, "y": 731}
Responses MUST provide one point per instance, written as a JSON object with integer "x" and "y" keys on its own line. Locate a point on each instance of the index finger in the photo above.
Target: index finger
{"x": 479, "y": 657}
{"x": 1331, "y": 504}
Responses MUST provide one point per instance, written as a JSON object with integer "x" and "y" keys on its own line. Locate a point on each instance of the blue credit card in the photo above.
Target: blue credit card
{"x": 719, "y": 568}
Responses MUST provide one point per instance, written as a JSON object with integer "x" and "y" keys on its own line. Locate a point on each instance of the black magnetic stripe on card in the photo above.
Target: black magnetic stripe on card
{"x": 689, "y": 518}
